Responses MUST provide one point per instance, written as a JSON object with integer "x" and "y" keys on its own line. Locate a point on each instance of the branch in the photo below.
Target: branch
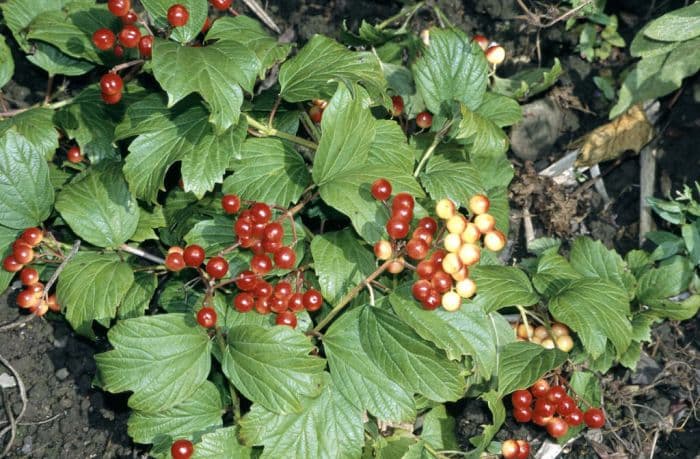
{"x": 140, "y": 253}
{"x": 267, "y": 131}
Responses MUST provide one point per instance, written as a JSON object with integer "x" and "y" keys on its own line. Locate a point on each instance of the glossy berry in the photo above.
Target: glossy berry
{"x": 397, "y": 228}
{"x": 494, "y": 241}
{"x": 129, "y": 18}
{"x": 273, "y": 232}
{"x": 243, "y": 227}
{"x": 432, "y": 301}
{"x": 221, "y": 5}
{"x": 557, "y": 427}
{"x": 217, "y": 267}
{"x": 316, "y": 114}
{"x": 510, "y": 449}
{"x": 479, "y": 204}
{"x": 118, "y": 51}
{"x": 182, "y": 449}
{"x": 423, "y": 234}
{"x": 421, "y": 289}
{"x": 285, "y": 258}
{"x": 32, "y": 236}
{"x": 381, "y": 189}
{"x": 74, "y": 155}
{"x": 575, "y": 418}
{"x": 10, "y": 264}
{"x": 383, "y": 250}
{"x": 522, "y": 414}
{"x": 521, "y": 398}
{"x": 424, "y": 120}
{"x": 26, "y": 299}
{"x": 119, "y": 7}
{"x": 428, "y": 223}
{"x": 206, "y": 317}
{"x": 111, "y": 84}
{"x": 495, "y": 54}
{"x": 174, "y": 261}
{"x": 313, "y": 300}
{"x": 540, "y": 388}
{"x": 451, "y": 301}
{"x": 594, "y": 418}
{"x": 566, "y": 406}
{"x": 426, "y": 269}
{"x": 263, "y": 289}
{"x": 441, "y": 281}
{"x": 244, "y": 302}
{"x": 523, "y": 449}
{"x": 103, "y": 39}
{"x": 417, "y": 249}
{"x": 260, "y": 212}
{"x": 283, "y": 290}
{"x": 482, "y": 41}
{"x": 396, "y": 266}
{"x": 231, "y": 203}
{"x": 286, "y": 318}
{"x": 556, "y": 394}
{"x": 178, "y": 15}
{"x": 146, "y": 46}
{"x": 193, "y": 255}
{"x": 396, "y": 105}
{"x": 261, "y": 264}
{"x": 23, "y": 252}
{"x": 29, "y": 276}
{"x": 111, "y": 99}
{"x": 403, "y": 213}
{"x": 402, "y": 201}
{"x": 544, "y": 407}
{"x": 246, "y": 281}
{"x": 296, "y": 302}
{"x": 129, "y": 36}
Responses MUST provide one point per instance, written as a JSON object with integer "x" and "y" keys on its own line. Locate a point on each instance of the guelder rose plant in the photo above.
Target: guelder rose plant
{"x": 294, "y": 252}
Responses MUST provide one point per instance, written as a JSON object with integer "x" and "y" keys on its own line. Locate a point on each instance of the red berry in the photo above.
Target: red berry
{"x": 260, "y": 212}
{"x": 261, "y": 264}
{"x": 29, "y": 276}
{"x": 523, "y": 449}
{"x": 544, "y": 407}
{"x": 206, "y": 317}
{"x": 482, "y": 41}
{"x": 111, "y": 99}
{"x": 277, "y": 305}
{"x": 119, "y": 7}
{"x": 129, "y": 36}
{"x": 296, "y": 302}
{"x": 103, "y": 39}
{"x": 262, "y": 305}
{"x": 381, "y": 189}
{"x": 146, "y": 46}
{"x": 421, "y": 289}
{"x": 271, "y": 246}
{"x": 243, "y": 227}
{"x": 540, "y": 420}
{"x": 397, "y": 228}
{"x": 23, "y": 252}
{"x": 426, "y": 269}
{"x": 74, "y": 155}
{"x": 32, "y": 236}
{"x": 313, "y": 300}
{"x": 540, "y": 388}
{"x": 428, "y": 223}
{"x": 423, "y": 234}
{"x": 207, "y": 25}
{"x": 432, "y": 301}
{"x": 522, "y": 414}
{"x": 424, "y": 120}
{"x": 402, "y": 201}
{"x": 10, "y": 264}
{"x": 417, "y": 249}
{"x": 575, "y": 418}
{"x": 178, "y": 15}
{"x": 244, "y": 302}
{"x": 285, "y": 258}
{"x": 316, "y": 114}
{"x": 52, "y": 302}
{"x": 555, "y": 394}
{"x": 118, "y": 51}
{"x": 182, "y": 449}
{"x": 247, "y": 280}
{"x": 282, "y": 290}
{"x": 129, "y": 18}
{"x": 594, "y": 418}
{"x": 193, "y": 255}
{"x": 441, "y": 281}
{"x": 286, "y": 318}
{"x": 262, "y": 289}
{"x": 231, "y": 203}
{"x": 557, "y": 427}
{"x": 174, "y": 261}
{"x": 27, "y": 299}
{"x": 397, "y": 105}
{"x": 509, "y": 449}
{"x": 273, "y": 232}
{"x": 566, "y": 406}
{"x": 403, "y": 213}
{"x": 217, "y": 267}
{"x": 111, "y": 84}
{"x": 521, "y": 398}
{"x": 221, "y": 5}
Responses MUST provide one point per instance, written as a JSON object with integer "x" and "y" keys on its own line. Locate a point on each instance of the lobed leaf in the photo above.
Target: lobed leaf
{"x": 501, "y": 286}
{"x": 523, "y": 363}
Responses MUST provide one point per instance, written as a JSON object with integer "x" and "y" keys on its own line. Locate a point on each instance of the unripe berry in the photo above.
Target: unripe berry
{"x": 397, "y": 105}
{"x": 479, "y": 204}
{"x": 565, "y": 343}
{"x": 495, "y": 54}
{"x": 451, "y": 301}
{"x": 445, "y": 209}
{"x": 383, "y": 250}
{"x": 482, "y": 41}
{"x": 559, "y": 329}
{"x": 465, "y": 288}
{"x": 460, "y": 275}
{"x": 452, "y": 242}
{"x": 396, "y": 266}
{"x": 451, "y": 263}
{"x": 485, "y": 223}
{"x": 494, "y": 241}
{"x": 469, "y": 254}
{"x": 471, "y": 233}
{"x": 547, "y": 343}
{"x": 456, "y": 224}
{"x": 510, "y": 449}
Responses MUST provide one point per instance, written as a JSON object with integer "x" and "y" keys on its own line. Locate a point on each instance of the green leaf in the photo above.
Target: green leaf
{"x": 341, "y": 262}
{"x": 348, "y": 131}
{"x": 178, "y": 134}
{"x": 26, "y": 194}
{"x": 361, "y": 381}
{"x": 642, "y": 46}
{"x": 7, "y": 63}
{"x": 467, "y": 331}
{"x": 54, "y": 62}
{"x": 18, "y": 14}
{"x": 200, "y": 412}
{"x": 500, "y": 110}
{"x": 148, "y": 221}
{"x": 676, "y": 310}
{"x": 36, "y": 127}
{"x": 7, "y": 237}
{"x": 667, "y": 280}
{"x": 391, "y": 148}
{"x": 597, "y": 310}
{"x": 481, "y": 134}
{"x": 494, "y": 171}
{"x": 213, "y": 235}
{"x": 451, "y": 69}
{"x": 439, "y": 429}
{"x": 158, "y": 13}
{"x": 678, "y": 25}
{"x": 314, "y": 72}
{"x": 691, "y": 236}
{"x": 554, "y": 272}
{"x": 272, "y": 366}
{"x": 221, "y": 444}
{"x": 250, "y": 34}
{"x": 408, "y": 359}
{"x": 498, "y": 417}
{"x": 449, "y": 176}
{"x": 222, "y": 72}
{"x": 162, "y": 359}
{"x": 99, "y": 207}
{"x": 523, "y": 363}
{"x": 139, "y": 296}
{"x": 501, "y": 286}
{"x": 326, "y": 427}
{"x": 91, "y": 287}
{"x": 592, "y": 259}
{"x": 270, "y": 171}
{"x": 528, "y": 83}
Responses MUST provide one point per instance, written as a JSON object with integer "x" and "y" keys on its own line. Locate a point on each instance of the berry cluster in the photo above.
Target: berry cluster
{"x": 256, "y": 231}
{"x": 32, "y": 297}
{"x": 495, "y": 53}
{"x": 557, "y": 336}
{"x": 515, "y": 449}
{"x": 316, "y": 110}
{"x": 553, "y": 409}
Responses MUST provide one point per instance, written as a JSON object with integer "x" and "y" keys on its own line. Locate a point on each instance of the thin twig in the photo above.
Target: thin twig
{"x": 49, "y": 87}
{"x": 17, "y": 323}
{"x": 61, "y": 267}
{"x": 23, "y": 396}
{"x": 143, "y": 254}
{"x": 262, "y": 14}
{"x": 53, "y": 106}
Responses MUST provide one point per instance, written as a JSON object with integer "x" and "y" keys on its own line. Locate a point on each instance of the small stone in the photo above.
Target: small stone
{"x": 107, "y": 414}
{"x": 66, "y": 403}
{"x": 7, "y": 381}
{"x": 647, "y": 370}
{"x": 536, "y": 134}
{"x": 62, "y": 374}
